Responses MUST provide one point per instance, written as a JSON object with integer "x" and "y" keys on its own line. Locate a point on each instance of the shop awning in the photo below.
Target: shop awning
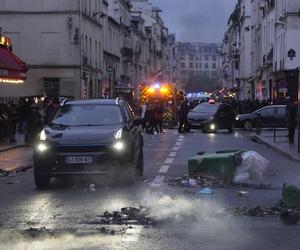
{"x": 11, "y": 67}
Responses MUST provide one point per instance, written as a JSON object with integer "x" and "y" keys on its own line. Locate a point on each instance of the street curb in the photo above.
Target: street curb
{"x": 14, "y": 147}
{"x": 274, "y": 148}
{"x": 17, "y": 169}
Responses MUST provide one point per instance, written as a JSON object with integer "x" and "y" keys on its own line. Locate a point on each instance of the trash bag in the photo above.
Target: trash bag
{"x": 252, "y": 169}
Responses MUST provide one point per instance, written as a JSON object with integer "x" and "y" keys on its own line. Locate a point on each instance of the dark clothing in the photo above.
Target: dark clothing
{"x": 158, "y": 119}
{"x": 291, "y": 119}
{"x": 12, "y": 122}
{"x": 183, "y": 120}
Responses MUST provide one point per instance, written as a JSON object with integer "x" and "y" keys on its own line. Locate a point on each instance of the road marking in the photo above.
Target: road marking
{"x": 180, "y": 139}
{"x": 169, "y": 160}
{"x": 175, "y": 148}
{"x": 181, "y": 136}
{"x": 158, "y": 180}
{"x": 164, "y": 169}
{"x": 173, "y": 154}
{"x": 178, "y": 143}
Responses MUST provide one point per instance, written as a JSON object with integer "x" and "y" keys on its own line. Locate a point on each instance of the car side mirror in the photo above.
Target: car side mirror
{"x": 137, "y": 121}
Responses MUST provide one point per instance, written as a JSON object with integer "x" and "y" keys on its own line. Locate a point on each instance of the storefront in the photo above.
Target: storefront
{"x": 12, "y": 69}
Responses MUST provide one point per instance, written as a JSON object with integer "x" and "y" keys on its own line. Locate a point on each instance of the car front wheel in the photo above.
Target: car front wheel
{"x": 41, "y": 180}
{"x": 248, "y": 125}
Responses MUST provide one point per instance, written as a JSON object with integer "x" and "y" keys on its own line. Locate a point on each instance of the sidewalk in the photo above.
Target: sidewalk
{"x": 281, "y": 143}
{"x": 4, "y": 146}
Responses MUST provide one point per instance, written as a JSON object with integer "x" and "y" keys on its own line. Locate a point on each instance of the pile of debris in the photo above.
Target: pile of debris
{"x": 256, "y": 212}
{"x": 3, "y": 173}
{"x": 287, "y": 216}
{"x": 126, "y": 216}
{"x": 196, "y": 182}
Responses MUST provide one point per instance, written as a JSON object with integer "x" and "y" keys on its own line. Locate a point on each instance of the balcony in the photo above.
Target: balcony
{"x": 127, "y": 52}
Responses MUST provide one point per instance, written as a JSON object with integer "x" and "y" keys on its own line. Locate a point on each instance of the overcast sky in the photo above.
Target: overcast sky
{"x": 196, "y": 20}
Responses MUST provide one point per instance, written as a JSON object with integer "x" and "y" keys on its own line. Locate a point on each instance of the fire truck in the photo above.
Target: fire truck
{"x": 167, "y": 96}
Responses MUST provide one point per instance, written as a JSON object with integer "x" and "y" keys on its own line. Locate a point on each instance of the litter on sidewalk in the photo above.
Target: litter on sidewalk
{"x": 206, "y": 191}
{"x": 251, "y": 169}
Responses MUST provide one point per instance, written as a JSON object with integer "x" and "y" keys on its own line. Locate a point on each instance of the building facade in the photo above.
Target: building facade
{"x": 272, "y": 28}
{"x": 83, "y": 48}
{"x": 61, "y": 42}
{"x": 196, "y": 59}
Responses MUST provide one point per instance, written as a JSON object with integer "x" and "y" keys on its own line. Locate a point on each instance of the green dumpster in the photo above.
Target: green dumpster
{"x": 220, "y": 164}
{"x": 291, "y": 196}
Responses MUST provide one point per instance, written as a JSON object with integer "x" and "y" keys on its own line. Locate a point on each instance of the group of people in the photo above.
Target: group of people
{"x": 247, "y": 106}
{"x": 152, "y": 115}
{"x": 25, "y": 117}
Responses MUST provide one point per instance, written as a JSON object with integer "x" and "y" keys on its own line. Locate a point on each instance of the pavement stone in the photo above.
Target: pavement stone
{"x": 281, "y": 144}
{"x": 16, "y": 160}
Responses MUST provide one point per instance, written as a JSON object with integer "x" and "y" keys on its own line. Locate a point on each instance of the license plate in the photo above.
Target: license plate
{"x": 79, "y": 159}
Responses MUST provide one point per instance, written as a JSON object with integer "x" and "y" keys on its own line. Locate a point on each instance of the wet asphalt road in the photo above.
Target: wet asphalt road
{"x": 66, "y": 216}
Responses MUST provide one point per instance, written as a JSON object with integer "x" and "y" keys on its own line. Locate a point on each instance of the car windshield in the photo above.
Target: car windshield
{"x": 87, "y": 115}
{"x": 206, "y": 108}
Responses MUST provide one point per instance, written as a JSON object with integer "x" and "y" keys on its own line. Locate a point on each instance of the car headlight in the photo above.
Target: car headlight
{"x": 118, "y": 134}
{"x": 212, "y": 126}
{"x": 237, "y": 118}
{"x": 42, "y": 147}
{"x": 43, "y": 135}
{"x": 119, "y": 146}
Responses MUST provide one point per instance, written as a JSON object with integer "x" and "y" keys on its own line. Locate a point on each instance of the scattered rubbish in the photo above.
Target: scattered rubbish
{"x": 92, "y": 188}
{"x": 252, "y": 168}
{"x": 126, "y": 216}
{"x": 290, "y": 217}
{"x": 243, "y": 193}
{"x": 287, "y": 216}
{"x": 206, "y": 191}
{"x": 193, "y": 182}
{"x": 196, "y": 182}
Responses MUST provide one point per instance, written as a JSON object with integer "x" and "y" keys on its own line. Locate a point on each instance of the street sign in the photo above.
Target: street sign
{"x": 110, "y": 70}
{"x": 291, "y": 54}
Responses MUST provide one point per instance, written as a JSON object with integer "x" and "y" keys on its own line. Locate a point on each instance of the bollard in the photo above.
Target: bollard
{"x": 274, "y": 129}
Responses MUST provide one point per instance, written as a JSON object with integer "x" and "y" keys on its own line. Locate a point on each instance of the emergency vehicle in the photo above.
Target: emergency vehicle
{"x": 167, "y": 96}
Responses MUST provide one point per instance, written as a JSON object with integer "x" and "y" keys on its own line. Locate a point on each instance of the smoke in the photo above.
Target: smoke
{"x": 17, "y": 241}
{"x": 197, "y": 20}
{"x": 180, "y": 209}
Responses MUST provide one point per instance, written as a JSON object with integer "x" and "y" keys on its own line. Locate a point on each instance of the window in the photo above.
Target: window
{"x": 214, "y": 66}
{"x": 214, "y": 58}
{"x": 200, "y": 65}
{"x": 266, "y": 112}
{"x": 206, "y": 65}
{"x": 191, "y": 65}
{"x": 51, "y": 87}
{"x": 281, "y": 111}
{"x": 191, "y": 58}
{"x": 196, "y": 65}
{"x": 182, "y": 65}
{"x": 89, "y": 114}
{"x": 206, "y": 58}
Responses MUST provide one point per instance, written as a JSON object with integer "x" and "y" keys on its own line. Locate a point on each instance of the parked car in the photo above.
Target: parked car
{"x": 271, "y": 116}
{"x": 89, "y": 137}
{"x": 212, "y": 116}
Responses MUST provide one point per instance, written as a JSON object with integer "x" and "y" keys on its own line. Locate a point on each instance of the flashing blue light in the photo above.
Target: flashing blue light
{"x": 156, "y": 86}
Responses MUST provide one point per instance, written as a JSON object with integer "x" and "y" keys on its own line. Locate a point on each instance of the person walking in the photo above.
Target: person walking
{"x": 12, "y": 122}
{"x": 291, "y": 117}
{"x": 182, "y": 113}
{"x": 158, "y": 116}
{"x": 143, "y": 116}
